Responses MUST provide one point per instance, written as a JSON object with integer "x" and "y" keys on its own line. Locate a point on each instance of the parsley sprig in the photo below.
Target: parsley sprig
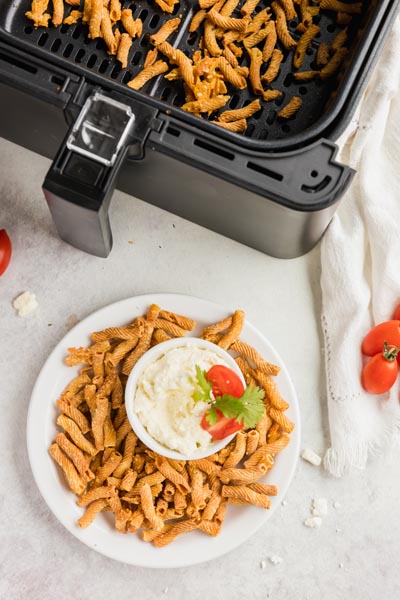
{"x": 204, "y": 393}
{"x": 247, "y": 410}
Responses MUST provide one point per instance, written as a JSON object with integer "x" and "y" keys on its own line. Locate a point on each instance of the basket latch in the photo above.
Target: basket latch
{"x": 102, "y": 129}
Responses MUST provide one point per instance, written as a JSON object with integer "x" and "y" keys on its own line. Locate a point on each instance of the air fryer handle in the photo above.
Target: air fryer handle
{"x": 81, "y": 180}
{"x": 78, "y": 191}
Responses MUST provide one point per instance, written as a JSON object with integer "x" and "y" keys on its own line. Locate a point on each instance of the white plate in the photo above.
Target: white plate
{"x": 196, "y": 547}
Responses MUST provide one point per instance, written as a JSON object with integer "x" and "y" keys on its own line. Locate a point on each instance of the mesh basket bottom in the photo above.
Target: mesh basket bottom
{"x": 72, "y": 45}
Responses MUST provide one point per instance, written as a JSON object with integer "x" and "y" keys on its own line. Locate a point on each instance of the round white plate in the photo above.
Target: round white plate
{"x": 196, "y": 547}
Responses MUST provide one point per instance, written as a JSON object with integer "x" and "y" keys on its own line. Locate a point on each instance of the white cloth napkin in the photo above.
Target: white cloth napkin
{"x": 360, "y": 280}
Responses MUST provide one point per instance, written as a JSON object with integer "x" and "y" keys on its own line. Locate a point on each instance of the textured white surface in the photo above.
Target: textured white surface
{"x": 39, "y": 560}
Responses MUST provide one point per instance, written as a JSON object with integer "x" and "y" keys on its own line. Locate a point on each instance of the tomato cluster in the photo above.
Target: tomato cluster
{"x": 382, "y": 343}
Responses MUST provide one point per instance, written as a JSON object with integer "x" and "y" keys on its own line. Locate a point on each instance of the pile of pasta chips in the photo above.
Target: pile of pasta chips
{"x": 110, "y": 469}
{"x": 240, "y": 47}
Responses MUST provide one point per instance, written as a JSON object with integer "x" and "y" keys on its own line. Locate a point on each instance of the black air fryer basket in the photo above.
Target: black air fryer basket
{"x": 274, "y": 188}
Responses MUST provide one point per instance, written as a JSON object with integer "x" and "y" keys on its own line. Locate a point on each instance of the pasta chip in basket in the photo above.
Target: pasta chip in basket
{"x": 240, "y": 47}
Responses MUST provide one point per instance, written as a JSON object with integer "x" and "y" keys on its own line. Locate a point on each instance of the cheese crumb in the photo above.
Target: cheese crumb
{"x": 25, "y": 303}
{"x": 337, "y": 504}
{"x": 284, "y": 502}
{"x": 319, "y": 507}
{"x": 275, "y": 560}
{"x": 341, "y": 565}
{"x": 313, "y": 522}
{"x": 311, "y": 457}
{"x": 263, "y": 564}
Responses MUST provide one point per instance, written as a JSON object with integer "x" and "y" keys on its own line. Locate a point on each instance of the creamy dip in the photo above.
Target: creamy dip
{"x": 164, "y": 398}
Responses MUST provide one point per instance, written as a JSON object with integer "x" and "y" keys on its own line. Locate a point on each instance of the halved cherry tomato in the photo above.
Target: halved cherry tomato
{"x": 224, "y": 381}
{"x": 379, "y": 374}
{"x": 5, "y": 250}
{"x": 396, "y": 315}
{"x": 389, "y": 332}
{"x": 222, "y": 428}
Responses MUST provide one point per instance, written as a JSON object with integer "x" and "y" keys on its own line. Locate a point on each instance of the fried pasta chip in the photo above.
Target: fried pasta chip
{"x": 124, "y": 46}
{"x": 148, "y": 73}
{"x": 273, "y": 69}
{"x": 256, "y": 61}
{"x": 73, "y": 17}
{"x": 236, "y": 126}
{"x": 207, "y": 105}
{"x": 247, "y": 111}
{"x": 281, "y": 26}
{"x": 342, "y": 7}
{"x": 165, "y": 31}
{"x": 303, "y": 44}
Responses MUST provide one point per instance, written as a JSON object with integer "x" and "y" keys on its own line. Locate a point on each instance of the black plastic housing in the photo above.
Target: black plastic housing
{"x": 273, "y": 189}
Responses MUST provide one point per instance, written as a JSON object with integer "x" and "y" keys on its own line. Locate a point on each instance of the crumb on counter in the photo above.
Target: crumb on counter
{"x": 311, "y": 457}
{"x": 275, "y": 560}
{"x": 319, "y": 507}
{"x": 71, "y": 321}
{"x": 263, "y": 564}
{"x": 25, "y": 304}
{"x": 313, "y": 522}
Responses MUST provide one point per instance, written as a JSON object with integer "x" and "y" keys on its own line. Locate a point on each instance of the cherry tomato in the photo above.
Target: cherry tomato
{"x": 224, "y": 381}
{"x": 397, "y": 317}
{"x": 379, "y": 374}
{"x": 397, "y": 313}
{"x": 389, "y": 332}
{"x": 222, "y": 428}
{"x": 5, "y": 250}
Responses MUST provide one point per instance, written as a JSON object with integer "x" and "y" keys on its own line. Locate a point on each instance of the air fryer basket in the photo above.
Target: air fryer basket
{"x": 69, "y": 45}
{"x": 284, "y": 170}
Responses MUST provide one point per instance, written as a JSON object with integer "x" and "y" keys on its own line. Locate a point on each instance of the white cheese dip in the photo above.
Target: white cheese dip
{"x": 164, "y": 398}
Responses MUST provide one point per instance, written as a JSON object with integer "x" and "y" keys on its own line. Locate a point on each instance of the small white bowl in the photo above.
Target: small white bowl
{"x": 130, "y": 390}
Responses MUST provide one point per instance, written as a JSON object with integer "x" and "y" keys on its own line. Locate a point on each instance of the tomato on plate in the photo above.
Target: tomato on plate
{"x": 222, "y": 428}
{"x": 388, "y": 332}
{"x": 5, "y": 250}
{"x": 224, "y": 381}
{"x": 379, "y": 374}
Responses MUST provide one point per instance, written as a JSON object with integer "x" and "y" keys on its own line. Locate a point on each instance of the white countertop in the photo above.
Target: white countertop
{"x": 356, "y": 551}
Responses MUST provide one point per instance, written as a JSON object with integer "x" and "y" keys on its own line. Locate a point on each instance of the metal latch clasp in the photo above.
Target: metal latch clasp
{"x": 101, "y": 129}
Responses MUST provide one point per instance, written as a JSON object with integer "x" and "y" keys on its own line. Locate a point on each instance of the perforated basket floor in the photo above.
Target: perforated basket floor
{"x": 72, "y": 45}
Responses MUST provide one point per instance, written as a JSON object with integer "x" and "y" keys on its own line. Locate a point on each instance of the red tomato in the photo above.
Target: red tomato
{"x": 222, "y": 428}
{"x": 379, "y": 374}
{"x": 389, "y": 332}
{"x": 5, "y": 250}
{"x": 224, "y": 381}
{"x": 396, "y": 316}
